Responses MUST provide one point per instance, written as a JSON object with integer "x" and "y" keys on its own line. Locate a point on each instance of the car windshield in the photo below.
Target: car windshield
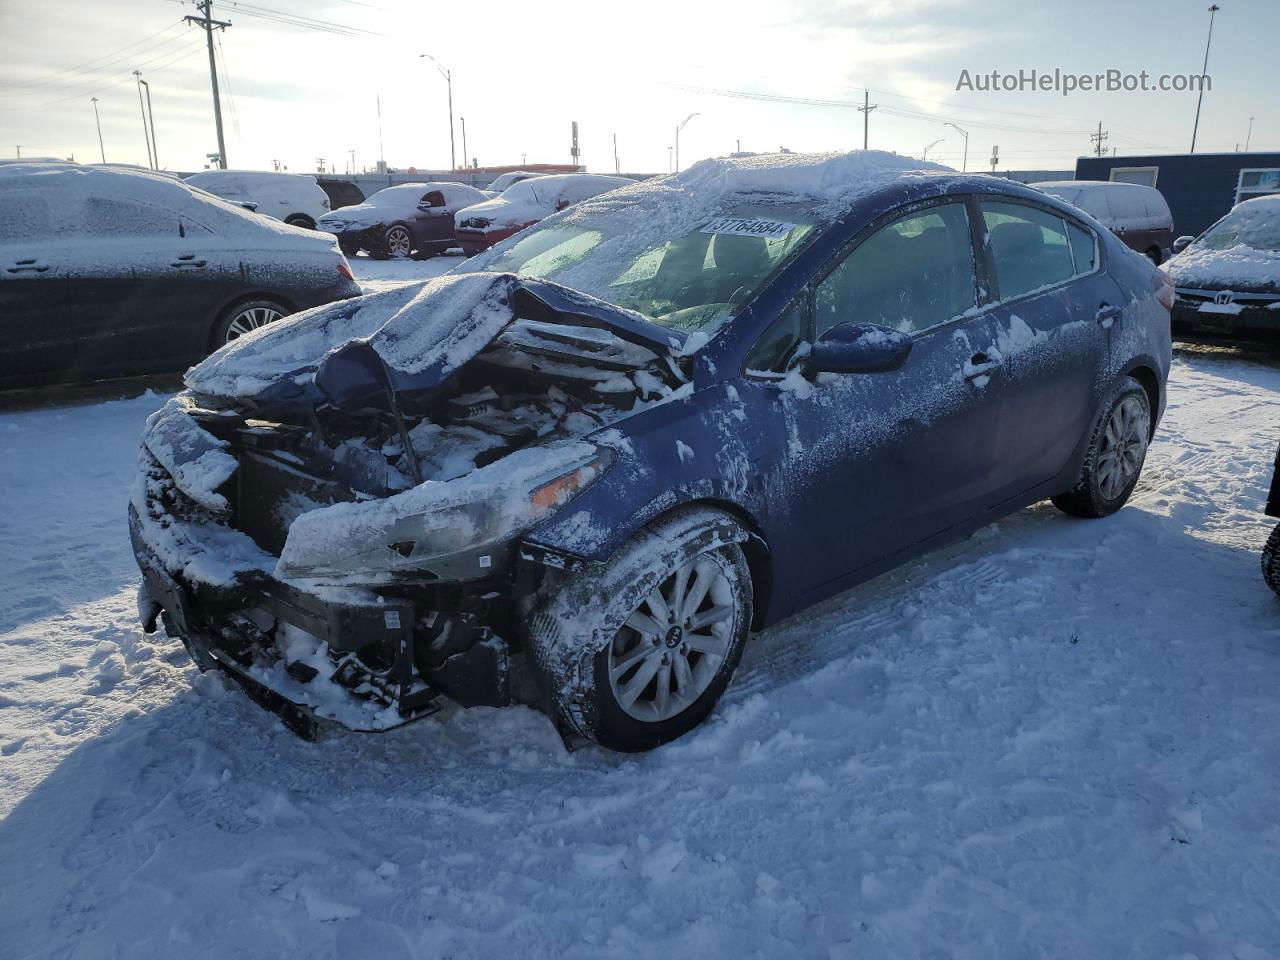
{"x": 689, "y": 281}
{"x": 1256, "y": 226}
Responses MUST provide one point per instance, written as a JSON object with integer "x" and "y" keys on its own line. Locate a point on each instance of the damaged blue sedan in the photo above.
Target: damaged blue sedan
{"x": 580, "y": 471}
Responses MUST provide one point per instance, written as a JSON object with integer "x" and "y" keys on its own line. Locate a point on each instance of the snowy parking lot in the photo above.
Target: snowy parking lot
{"x": 1056, "y": 738}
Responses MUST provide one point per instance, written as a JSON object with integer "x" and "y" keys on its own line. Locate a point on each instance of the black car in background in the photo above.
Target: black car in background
{"x": 409, "y": 219}
{"x": 341, "y": 193}
{"x": 108, "y": 272}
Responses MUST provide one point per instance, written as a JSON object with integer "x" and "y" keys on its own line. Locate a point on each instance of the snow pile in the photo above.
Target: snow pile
{"x": 1240, "y": 251}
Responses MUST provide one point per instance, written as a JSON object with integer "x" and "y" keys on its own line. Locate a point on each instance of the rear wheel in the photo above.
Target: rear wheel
{"x": 1113, "y": 460}
{"x": 670, "y": 617}
{"x": 1271, "y": 560}
{"x": 349, "y": 248}
{"x": 300, "y": 220}
{"x": 1154, "y": 255}
{"x": 244, "y": 318}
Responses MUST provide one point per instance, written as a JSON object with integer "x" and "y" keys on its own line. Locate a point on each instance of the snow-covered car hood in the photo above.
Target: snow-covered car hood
{"x": 502, "y": 213}
{"x": 361, "y": 215}
{"x": 410, "y": 339}
{"x": 1240, "y": 268}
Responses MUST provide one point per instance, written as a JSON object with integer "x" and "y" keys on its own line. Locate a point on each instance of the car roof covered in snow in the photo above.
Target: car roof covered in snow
{"x": 44, "y": 199}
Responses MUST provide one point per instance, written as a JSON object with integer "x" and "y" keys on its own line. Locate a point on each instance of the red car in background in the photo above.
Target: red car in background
{"x": 480, "y": 226}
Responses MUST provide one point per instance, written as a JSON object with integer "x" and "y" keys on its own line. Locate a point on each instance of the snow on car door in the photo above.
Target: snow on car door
{"x": 877, "y": 463}
{"x": 1050, "y": 334}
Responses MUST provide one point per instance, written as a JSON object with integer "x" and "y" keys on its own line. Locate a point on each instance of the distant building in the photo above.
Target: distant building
{"x": 1199, "y": 187}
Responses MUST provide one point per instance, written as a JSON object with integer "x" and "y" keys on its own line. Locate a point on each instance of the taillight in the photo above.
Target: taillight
{"x": 344, "y": 268}
{"x": 1163, "y": 287}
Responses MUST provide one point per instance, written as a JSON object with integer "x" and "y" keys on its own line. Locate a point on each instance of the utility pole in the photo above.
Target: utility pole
{"x": 964, "y": 164}
{"x": 448, "y": 79}
{"x": 19, "y": 151}
{"x": 617, "y": 167}
{"x": 155, "y": 150}
{"x": 865, "y": 110}
{"x": 137, "y": 75}
{"x": 1098, "y": 138}
{"x": 208, "y": 23}
{"x": 1249, "y": 136}
{"x": 463, "y": 121}
{"x": 1213, "y": 9}
{"x": 98, "y": 121}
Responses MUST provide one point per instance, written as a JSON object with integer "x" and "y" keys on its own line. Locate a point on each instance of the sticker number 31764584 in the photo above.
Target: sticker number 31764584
{"x": 747, "y": 227}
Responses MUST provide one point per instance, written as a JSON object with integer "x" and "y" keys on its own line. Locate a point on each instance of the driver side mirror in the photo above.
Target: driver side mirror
{"x": 1182, "y": 243}
{"x": 859, "y": 348}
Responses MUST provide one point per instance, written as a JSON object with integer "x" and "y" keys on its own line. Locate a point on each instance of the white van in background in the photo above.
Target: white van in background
{"x": 1136, "y": 214}
{"x": 295, "y": 198}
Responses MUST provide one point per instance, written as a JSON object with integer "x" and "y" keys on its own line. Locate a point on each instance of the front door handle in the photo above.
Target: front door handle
{"x": 1107, "y": 314}
{"x": 981, "y": 365}
{"x": 27, "y": 266}
{"x": 188, "y": 260}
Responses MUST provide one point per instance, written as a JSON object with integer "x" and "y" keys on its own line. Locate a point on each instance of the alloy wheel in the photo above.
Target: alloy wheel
{"x": 1124, "y": 445}
{"x": 399, "y": 242}
{"x": 250, "y": 319}
{"x": 670, "y": 649}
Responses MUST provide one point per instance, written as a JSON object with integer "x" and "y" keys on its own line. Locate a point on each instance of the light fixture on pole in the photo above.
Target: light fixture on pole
{"x": 964, "y": 164}
{"x": 448, "y": 79}
{"x": 1213, "y": 9}
{"x": 678, "y": 129}
{"x": 1248, "y": 136}
{"x": 98, "y": 121}
{"x": 931, "y": 146}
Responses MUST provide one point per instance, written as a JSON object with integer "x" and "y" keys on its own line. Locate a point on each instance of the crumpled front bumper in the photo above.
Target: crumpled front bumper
{"x": 337, "y": 686}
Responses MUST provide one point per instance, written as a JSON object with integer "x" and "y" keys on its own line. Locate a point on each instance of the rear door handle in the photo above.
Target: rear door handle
{"x": 980, "y": 365}
{"x": 188, "y": 260}
{"x": 1107, "y": 314}
{"x": 27, "y": 266}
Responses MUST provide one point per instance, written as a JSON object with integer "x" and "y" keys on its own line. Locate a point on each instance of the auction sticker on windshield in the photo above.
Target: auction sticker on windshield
{"x": 748, "y": 227}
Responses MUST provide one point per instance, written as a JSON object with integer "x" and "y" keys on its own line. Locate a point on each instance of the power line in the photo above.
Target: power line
{"x": 226, "y": 75}
{"x": 97, "y": 64}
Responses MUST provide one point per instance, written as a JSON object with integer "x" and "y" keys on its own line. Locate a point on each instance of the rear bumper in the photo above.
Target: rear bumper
{"x": 366, "y": 666}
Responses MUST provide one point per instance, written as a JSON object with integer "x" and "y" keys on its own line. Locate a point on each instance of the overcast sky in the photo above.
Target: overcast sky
{"x": 522, "y": 71}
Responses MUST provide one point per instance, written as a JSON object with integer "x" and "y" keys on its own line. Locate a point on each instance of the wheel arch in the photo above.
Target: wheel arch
{"x": 1150, "y": 382}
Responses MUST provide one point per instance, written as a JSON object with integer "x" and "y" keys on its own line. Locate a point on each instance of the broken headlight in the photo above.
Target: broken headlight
{"x": 455, "y": 530}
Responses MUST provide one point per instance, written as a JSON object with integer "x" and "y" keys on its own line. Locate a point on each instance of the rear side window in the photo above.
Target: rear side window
{"x": 1084, "y": 249}
{"x": 109, "y": 216}
{"x": 433, "y": 199}
{"x": 1029, "y": 248}
{"x": 912, "y": 274}
{"x": 24, "y": 216}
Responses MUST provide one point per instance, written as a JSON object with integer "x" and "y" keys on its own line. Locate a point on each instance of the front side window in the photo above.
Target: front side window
{"x": 112, "y": 216}
{"x": 433, "y": 199}
{"x": 911, "y": 275}
{"x": 1029, "y": 248}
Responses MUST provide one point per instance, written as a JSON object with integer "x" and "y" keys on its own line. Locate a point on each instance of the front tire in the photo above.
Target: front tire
{"x": 670, "y": 616}
{"x": 397, "y": 242}
{"x": 1113, "y": 460}
{"x": 1271, "y": 560}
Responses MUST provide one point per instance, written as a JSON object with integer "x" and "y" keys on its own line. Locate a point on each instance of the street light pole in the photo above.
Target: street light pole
{"x": 930, "y": 147}
{"x": 142, "y": 107}
{"x": 678, "y": 129}
{"x": 448, "y": 79}
{"x": 964, "y": 165}
{"x": 1213, "y": 9}
{"x": 155, "y": 150}
{"x": 98, "y": 121}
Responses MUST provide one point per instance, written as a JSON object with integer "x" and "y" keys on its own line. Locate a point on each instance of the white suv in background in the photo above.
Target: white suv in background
{"x": 295, "y": 198}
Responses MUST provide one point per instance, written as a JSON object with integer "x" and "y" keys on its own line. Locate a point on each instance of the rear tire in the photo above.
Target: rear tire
{"x": 1153, "y": 255}
{"x": 245, "y": 317}
{"x": 1114, "y": 457}
{"x": 1271, "y": 560}
{"x": 669, "y": 618}
{"x": 349, "y": 248}
{"x": 299, "y": 220}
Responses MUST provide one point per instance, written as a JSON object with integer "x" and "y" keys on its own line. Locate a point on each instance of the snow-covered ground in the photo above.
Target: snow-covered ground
{"x": 1058, "y": 738}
